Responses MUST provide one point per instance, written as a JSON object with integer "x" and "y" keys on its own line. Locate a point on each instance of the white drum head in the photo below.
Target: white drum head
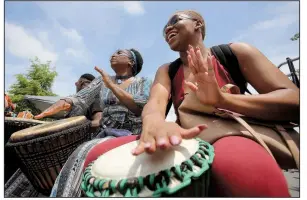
{"x": 119, "y": 163}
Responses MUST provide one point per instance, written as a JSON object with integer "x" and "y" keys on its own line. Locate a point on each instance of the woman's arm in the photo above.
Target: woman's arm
{"x": 95, "y": 112}
{"x": 278, "y": 97}
{"x": 134, "y": 103}
{"x": 76, "y": 104}
{"x": 86, "y": 97}
{"x": 96, "y": 117}
{"x": 159, "y": 95}
{"x": 156, "y": 132}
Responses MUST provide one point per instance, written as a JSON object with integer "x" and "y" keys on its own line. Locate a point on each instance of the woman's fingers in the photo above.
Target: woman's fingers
{"x": 163, "y": 142}
{"x": 49, "y": 111}
{"x": 202, "y": 67}
{"x": 105, "y": 77}
{"x": 193, "y": 56}
{"x": 191, "y": 52}
{"x": 175, "y": 138}
{"x": 192, "y": 60}
{"x": 192, "y": 132}
{"x": 196, "y": 60}
{"x": 170, "y": 136}
{"x": 150, "y": 145}
{"x": 55, "y": 108}
{"x": 191, "y": 85}
{"x": 191, "y": 64}
{"x": 100, "y": 71}
{"x": 146, "y": 144}
{"x": 139, "y": 149}
{"x": 210, "y": 66}
{"x": 40, "y": 116}
{"x": 210, "y": 75}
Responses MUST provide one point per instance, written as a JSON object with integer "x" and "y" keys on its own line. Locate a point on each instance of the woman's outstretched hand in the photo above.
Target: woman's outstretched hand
{"x": 206, "y": 87}
{"x": 161, "y": 134}
{"x": 105, "y": 77}
{"x": 60, "y": 105}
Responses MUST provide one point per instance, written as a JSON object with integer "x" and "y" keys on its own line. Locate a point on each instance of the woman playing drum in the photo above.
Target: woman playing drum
{"x": 241, "y": 166}
{"x": 122, "y": 96}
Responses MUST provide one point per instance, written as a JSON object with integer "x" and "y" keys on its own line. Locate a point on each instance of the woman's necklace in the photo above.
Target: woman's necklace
{"x": 122, "y": 82}
{"x": 120, "y": 79}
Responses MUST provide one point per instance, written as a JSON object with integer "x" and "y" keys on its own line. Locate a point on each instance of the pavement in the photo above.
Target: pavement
{"x": 293, "y": 179}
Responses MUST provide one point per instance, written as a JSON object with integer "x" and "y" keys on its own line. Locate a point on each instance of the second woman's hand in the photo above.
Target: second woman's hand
{"x": 105, "y": 77}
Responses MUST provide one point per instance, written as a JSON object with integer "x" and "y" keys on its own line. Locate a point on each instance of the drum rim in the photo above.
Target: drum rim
{"x": 90, "y": 184}
{"x": 39, "y": 130}
{"x": 87, "y": 123}
{"x": 24, "y": 120}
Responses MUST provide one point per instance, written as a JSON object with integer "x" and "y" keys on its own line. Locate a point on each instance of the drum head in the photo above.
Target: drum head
{"x": 119, "y": 163}
{"x": 46, "y": 129}
{"x": 118, "y": 173}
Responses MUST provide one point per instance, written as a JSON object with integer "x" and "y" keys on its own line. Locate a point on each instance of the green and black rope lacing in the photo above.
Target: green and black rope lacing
{"x": 158, "y": 183}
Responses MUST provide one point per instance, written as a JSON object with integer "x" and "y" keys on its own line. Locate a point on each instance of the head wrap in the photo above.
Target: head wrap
{"x": 135, "y": 62}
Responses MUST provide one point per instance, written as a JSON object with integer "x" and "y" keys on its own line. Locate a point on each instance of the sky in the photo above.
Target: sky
{"x": 76, "y": 36}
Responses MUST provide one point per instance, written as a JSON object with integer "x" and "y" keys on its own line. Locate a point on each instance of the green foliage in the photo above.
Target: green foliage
{"x": 296, "y": 37}
{"x": 37, "y": 81}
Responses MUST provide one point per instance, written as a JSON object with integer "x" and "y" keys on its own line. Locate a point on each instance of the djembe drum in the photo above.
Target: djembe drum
{"x": 181, "y": 171}
{"x": 44, "y": 149}
{"x": 11, "y": 125}
{"x": 14, "y": 124}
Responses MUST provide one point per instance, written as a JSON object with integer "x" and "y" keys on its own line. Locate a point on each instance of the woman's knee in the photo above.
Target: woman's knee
{"x": 242, "y": 167}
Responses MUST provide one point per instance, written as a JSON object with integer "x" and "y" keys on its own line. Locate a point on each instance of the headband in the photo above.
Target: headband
{"x": 134, "y": 59}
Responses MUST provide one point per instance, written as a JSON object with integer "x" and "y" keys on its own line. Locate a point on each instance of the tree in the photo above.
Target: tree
{"x": 296, "y": 37}
{"x": 37, "y": 81}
